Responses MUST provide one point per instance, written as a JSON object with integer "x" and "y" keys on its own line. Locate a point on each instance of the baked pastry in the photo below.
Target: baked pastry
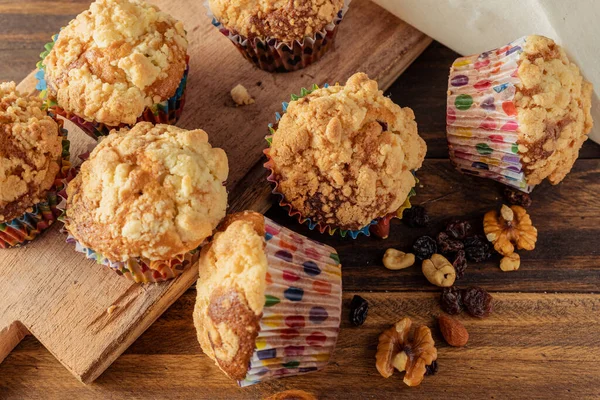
{"x": 118, "y": 62}
{"x": 518, "y": 114}
{"x": 269, "y": 300}
{"x": 344, "y": 156}
{"x": 146, "y": 199}
{"x": 279, "y": 36}
{"x": 31, "y": 163}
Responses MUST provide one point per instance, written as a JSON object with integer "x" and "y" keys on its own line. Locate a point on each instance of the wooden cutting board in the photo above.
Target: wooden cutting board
{"x": 85, "y": 314}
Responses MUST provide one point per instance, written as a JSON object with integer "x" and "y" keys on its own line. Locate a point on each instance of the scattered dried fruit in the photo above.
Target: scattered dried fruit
{"x": 424, "y": 247}
{"x": 415, "y": 216}
{"x": 405, "y": 349}
{"x": 477, "y": 302}
{"x": 432, "y": 368}
{"x": 458, "y": 229}
{"x": 451, "y": 300}
{"x": 395, "y": 259}
{"x": 511, "y": 262}
{"x": 447, "y": 245}
{"x": 516, "y": 197}
{"x": 511, "y": 226}
{"x": 454, "y": 331}
{"x": 460, "y": 263}
{"x": 439, "y": 271}
{"x": 359, "y": 308}
{"x": 477, "y": 249}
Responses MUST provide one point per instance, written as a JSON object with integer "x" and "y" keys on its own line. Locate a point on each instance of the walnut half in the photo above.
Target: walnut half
{"x": 405, "y": 349}
{"x": 511, "y": 226}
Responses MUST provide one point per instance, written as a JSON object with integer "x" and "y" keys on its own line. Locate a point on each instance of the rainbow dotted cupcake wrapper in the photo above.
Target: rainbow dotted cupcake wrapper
{"x": 303, "y": 303}
{"x": 481, "y": 117}
{"x": 273, "y": 55}
{"x": 23, "y": 229}
{"x": 166, "y": 112}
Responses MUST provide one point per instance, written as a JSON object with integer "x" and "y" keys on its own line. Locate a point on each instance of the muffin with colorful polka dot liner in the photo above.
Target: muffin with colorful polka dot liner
{"x": 269, "y": 300}
{"x": 518, "y": 114}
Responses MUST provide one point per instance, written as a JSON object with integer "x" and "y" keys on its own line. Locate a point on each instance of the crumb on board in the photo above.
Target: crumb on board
{"x": 240, "y": 96}
{"x": 111, "y": 309}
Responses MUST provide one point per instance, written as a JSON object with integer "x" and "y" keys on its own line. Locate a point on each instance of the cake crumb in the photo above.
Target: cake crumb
{"x": 240, "y": 96}
{"x": 111, "y": 309}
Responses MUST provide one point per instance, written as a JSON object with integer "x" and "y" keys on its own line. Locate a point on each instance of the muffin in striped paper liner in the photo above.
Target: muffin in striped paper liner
{"x": 269, "y": 300}
{"x": 517, "y": 114}
{"x": 276, "y": 54}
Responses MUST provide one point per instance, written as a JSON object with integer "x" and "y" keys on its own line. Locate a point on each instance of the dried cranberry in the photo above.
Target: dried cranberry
{"x": 458, "y": 229}
{"x": 424, "y": 247}
{"x": 460, "y": 263}
{"x": 451, "y": 300}
{"x": 516, "y": 197}
{"x": 359, "y": 308}
{"x": 477, "y": 302}
{"x": 415, "y": 217}
{"x": 432, "y": 368}
{"x": 477, "y": 248}
{"x": 447, "y": 245}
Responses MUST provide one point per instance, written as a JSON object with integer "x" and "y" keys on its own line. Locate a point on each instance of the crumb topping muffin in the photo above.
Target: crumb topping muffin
{"x": 231, "y": 292}
{"x": 30, "y": 151}
{"x": 553, "y": 104}
{"x": 343, "y": 155}
{"x": 152, "y": 192}
{"x": 115, "y": 59}
{"x": 285, "y": 20}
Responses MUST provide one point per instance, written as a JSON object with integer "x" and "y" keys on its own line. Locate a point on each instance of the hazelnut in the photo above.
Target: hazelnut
{"x": 509, "y": 227}
{"x": 395, "y": 259}
{"x": 406, "y": 349}
{"x": 439, "y": 271}
{"x": 511, "y": 262}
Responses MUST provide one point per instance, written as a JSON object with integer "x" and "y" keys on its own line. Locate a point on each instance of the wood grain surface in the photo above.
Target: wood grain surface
{"x": 541, "y": 342}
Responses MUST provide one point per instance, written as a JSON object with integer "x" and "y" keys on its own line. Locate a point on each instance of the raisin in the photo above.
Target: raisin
{"x": 415, "y": 217}
{"x": 516, "y": 197}
{"x": 424, "y": 247}
{"x": 451, "y": 300}
{"x": 477, "y": 302}
{"x": 432, "y": 368}
{"x": 458, "y": 229}
{"x": 477, "y": 248}
{"x": 460, "y": 263}
{"x": 447, "y": 245}
{"x": 358, "y": 310}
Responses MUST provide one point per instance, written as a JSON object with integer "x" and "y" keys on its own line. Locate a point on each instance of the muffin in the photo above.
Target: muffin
{"x": 518, "y": 114}
{"x": 269, "y": 300}
{"x": 343, "y": 157}
{"x": 279, "y": 36}
{"x": 119, "y": 62}
{"x": 146, "y": 199}
{"x": 33, "y": 156}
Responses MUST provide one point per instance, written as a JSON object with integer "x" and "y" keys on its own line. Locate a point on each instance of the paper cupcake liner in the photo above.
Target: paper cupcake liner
{"x": 301, "y": 318}
{"x": 482, "y": 127}
{"x": 166, "y": 112}
{"x": 384, "y": 222}
{"x": 273, "y": 55}
{"x": 23, "y": 229}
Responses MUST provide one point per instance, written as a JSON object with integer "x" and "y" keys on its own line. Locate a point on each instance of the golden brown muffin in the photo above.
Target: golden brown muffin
{"x": 553, "y": 104}
{"x": 343, "y": 155}
{"x": 115, "y": 59}
{"x": 285, "y": 20}
{"x": 152, "y": 191}
{"x": 231, "y": 292}
{"x": 30, "y": 151}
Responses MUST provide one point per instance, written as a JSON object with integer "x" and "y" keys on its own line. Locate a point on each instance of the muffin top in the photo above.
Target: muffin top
{"x": 285, "y": 20}
{"x": 343, "y": 155}
{"x": 231, "y": 292}
{"x": 30, "y": 151}
{"x": 115, "y": 59}
{"x": 152, "y": 192}
{"x": 553, "y": 104}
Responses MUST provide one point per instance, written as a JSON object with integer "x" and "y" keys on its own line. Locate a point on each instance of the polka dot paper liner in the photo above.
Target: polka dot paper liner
{"x": 23, "y": 229}
{"x": 379, "y": 227}
{"x": 166, "y": 112}
{"x": 276, "y": 56}
{"x": 303, "y": 304}
{"x": 481, "y": 119}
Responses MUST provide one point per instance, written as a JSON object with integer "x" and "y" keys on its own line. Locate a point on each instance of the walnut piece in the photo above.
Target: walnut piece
{"x": 510, "y": 262}
{"x": 396, "y": 259}
{"x": 439, "y": 271}
{"x": 405, "y": 349}
{"x": 511, "y": 226}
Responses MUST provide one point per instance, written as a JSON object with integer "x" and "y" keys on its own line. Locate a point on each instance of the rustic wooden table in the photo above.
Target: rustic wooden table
{"x": 542, "y": 340}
